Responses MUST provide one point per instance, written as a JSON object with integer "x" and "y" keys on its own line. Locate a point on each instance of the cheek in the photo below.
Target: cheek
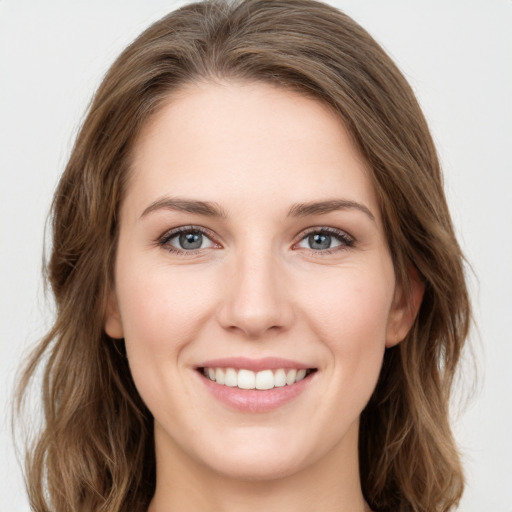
{"x": 161, "y": 313}
{"x": 350, "y": 316}
{"x": 352, "y": 304}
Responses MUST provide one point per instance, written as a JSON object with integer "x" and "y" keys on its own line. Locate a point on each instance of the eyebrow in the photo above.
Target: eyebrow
{"x": 206, "y": 208}
{"x": 211, "y": 209}
{"x": 322, "y": 207}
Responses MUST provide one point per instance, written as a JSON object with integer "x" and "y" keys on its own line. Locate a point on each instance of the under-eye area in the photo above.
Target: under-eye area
{"x": 262, "y": 380}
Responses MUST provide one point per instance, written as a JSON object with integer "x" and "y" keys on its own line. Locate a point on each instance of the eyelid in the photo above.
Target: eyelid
{"x": 347, "y": 240}
{"x": 163, "y": 240}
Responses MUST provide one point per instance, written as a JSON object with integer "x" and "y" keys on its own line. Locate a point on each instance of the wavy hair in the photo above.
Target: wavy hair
{"x": 95, "y": 450}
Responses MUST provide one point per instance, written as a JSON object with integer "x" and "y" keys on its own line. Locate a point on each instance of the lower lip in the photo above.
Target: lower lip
{"x": 255, "y": 400}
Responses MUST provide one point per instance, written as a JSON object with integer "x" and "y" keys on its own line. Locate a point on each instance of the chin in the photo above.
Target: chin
{"x": 258, "y": 468}
{"x": 262, "y": 454}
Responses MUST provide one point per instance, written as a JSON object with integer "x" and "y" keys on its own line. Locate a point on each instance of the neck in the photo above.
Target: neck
{"x": 330, "y": 484}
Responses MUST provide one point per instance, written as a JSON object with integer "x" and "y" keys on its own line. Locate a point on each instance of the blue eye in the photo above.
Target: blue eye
{"x": 186, "y": 240}
{"x": 190, "y": 241}
{"x": 326, "y": 239}
{"x": 320, "y": 241}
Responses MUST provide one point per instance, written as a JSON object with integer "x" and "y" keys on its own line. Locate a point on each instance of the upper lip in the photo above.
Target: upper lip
{"x": 265, "y": 363}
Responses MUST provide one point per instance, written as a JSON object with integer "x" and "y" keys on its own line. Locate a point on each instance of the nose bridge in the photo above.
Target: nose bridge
{"x": 256, "y": 298}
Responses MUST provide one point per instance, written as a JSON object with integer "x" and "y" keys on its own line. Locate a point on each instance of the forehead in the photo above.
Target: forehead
{"x": 244, "y": 142}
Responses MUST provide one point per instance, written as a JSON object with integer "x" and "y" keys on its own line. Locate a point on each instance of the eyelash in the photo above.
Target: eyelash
{"x": 164, "y": 240}
{"x": 346, "y": 240}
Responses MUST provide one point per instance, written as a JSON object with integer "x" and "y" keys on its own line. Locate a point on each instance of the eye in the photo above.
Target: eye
{"x": 186, "y": 240}
{"x": 325, "y": 240}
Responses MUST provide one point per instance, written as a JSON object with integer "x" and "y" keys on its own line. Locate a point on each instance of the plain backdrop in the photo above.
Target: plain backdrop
{"x": 457, "y": 54}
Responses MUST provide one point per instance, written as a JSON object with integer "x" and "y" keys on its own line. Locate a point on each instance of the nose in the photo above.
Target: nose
{"x": 256, "y": 298}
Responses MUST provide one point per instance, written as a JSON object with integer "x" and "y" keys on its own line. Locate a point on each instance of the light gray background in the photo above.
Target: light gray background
{"x": 457, "y": 54}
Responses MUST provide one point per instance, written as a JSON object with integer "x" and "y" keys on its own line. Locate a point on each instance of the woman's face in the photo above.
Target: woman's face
{"x": 251, "y": 251}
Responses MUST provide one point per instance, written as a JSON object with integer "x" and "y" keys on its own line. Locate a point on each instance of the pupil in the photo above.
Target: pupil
{"x": 319, "y": 241}
{"x": 191, "y": 240}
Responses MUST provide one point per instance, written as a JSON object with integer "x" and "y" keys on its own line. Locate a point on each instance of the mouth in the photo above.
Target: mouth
{"x": 262, "y": 380}
{"x": 258, "y": 385}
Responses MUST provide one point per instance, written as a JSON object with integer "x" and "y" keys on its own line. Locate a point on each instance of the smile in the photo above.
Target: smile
{"x": 257, "y": 385}
{"x": 261, "y": 380}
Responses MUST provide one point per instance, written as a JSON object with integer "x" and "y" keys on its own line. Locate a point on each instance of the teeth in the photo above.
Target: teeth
{"x": 280, "y": 378}
{"x": 290, "y": 377}
{"x": 219, "y": 376}
{"x": 300, "y": 375}
{"x": 247, "y": 379}
{"x": 231, "y": 378}
{"x": 265, "y": 379}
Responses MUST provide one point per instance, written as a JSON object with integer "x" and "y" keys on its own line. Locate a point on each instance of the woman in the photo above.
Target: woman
{"x": 260, "y": 297}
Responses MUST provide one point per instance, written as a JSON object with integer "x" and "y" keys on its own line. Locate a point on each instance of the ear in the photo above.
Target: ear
{"x": 112, "y": 322}
{"x": 404, "y": 309}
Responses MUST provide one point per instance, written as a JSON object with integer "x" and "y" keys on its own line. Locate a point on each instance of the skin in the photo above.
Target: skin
{"x": 255, "y": 289}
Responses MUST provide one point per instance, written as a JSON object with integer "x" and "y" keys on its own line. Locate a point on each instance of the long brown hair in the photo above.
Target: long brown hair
{"x": 95, "y": 451}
